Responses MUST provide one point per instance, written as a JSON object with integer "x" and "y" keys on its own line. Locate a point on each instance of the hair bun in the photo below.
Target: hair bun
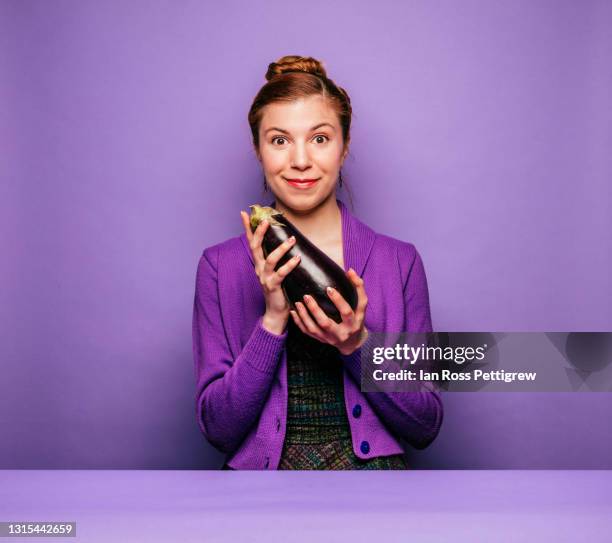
{"x": 293, "y": 63}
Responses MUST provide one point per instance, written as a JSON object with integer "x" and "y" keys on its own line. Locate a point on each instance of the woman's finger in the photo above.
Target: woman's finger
{"x": 278, "y": 253}
{"x": 287, "y": 268}
{"x": 309, "y": 324}
{"x": 256, "y": 240}
{"x": 298, "y": 321}
{"x": 323, "y": 321}
{"x": 346, "y": 311}
{"x": 247, "y": 225}
{"x": 362, "y": 299}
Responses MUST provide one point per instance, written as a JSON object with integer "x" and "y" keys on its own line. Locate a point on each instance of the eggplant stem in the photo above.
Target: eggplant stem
{"x": 259, "y": 213}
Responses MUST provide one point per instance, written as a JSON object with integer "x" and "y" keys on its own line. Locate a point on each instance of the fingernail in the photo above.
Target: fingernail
{"x": 330, "y": 290}
{"x": 292, "y": 239}
{"x": 296, "y": 257}
{"x": 307, "y": 297}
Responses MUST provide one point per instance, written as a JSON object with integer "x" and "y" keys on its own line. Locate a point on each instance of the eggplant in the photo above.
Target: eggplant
{"x": 315, "y": 272}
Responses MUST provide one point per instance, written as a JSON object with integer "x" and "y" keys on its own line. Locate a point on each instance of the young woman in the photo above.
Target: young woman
{"x": 280, "y": 389}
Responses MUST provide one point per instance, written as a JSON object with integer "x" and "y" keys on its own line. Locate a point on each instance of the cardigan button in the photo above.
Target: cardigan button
{"x": 365, "y": 447}
{"x": 267, "y": 461}
{"x": 277, "y": 424}
{"x": 357, "y": 411}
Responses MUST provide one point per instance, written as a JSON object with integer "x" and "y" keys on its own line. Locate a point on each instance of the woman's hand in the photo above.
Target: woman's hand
{"x": 347, "y": 336}
{"x": 277, "y": 309}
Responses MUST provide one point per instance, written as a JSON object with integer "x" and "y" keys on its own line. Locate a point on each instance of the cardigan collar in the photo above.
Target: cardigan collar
{"x": 357, "y": 240}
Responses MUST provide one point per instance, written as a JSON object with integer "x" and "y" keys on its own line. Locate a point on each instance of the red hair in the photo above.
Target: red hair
{"x": 291, "y": 78}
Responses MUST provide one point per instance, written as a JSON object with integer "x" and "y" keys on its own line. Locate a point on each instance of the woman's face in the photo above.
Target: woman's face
{"x": 299, "y": 141}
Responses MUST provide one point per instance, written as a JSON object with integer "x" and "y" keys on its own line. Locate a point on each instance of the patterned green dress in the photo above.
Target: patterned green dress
{"x": 318, "y": 433}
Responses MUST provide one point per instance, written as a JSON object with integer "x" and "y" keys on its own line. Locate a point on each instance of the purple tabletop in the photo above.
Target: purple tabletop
{"x": 355, "y": 506}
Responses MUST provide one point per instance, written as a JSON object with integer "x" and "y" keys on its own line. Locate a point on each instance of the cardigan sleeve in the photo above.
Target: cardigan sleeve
{"x": 414, "y": 416}
{"x": 230, "y": 392}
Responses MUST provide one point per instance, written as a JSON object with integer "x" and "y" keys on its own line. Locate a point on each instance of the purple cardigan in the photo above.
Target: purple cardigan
{"x": 241, "y": 368}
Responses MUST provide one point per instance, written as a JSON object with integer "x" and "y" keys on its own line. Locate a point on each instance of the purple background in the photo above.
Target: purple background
{"x": 481, "y": 133}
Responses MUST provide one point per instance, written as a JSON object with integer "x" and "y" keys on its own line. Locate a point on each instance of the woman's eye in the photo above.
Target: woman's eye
{"x": 317, "y": 138}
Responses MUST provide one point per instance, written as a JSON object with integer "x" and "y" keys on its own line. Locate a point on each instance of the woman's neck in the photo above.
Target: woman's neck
{"x": 321, "y": 224}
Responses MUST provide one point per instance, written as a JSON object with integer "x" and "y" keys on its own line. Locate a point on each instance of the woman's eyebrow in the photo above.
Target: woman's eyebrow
{"x": 286, "y": 132}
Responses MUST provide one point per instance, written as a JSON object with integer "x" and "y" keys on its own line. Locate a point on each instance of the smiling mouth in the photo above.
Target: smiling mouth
{"x": 302, "y": 183}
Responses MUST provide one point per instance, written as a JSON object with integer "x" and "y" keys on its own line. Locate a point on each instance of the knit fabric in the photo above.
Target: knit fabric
{"x": 318, "y": 434}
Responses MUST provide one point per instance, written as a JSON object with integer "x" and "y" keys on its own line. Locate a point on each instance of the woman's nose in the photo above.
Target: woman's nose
{"x": 299, "y": 156}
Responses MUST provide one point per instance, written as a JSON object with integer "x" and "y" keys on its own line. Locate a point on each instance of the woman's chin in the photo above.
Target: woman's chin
{"x": 302, "y": 203}
{"x": 305, "y": 201}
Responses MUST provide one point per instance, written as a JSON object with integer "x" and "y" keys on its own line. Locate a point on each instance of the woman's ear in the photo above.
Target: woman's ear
{"x": 345, "y": 152}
